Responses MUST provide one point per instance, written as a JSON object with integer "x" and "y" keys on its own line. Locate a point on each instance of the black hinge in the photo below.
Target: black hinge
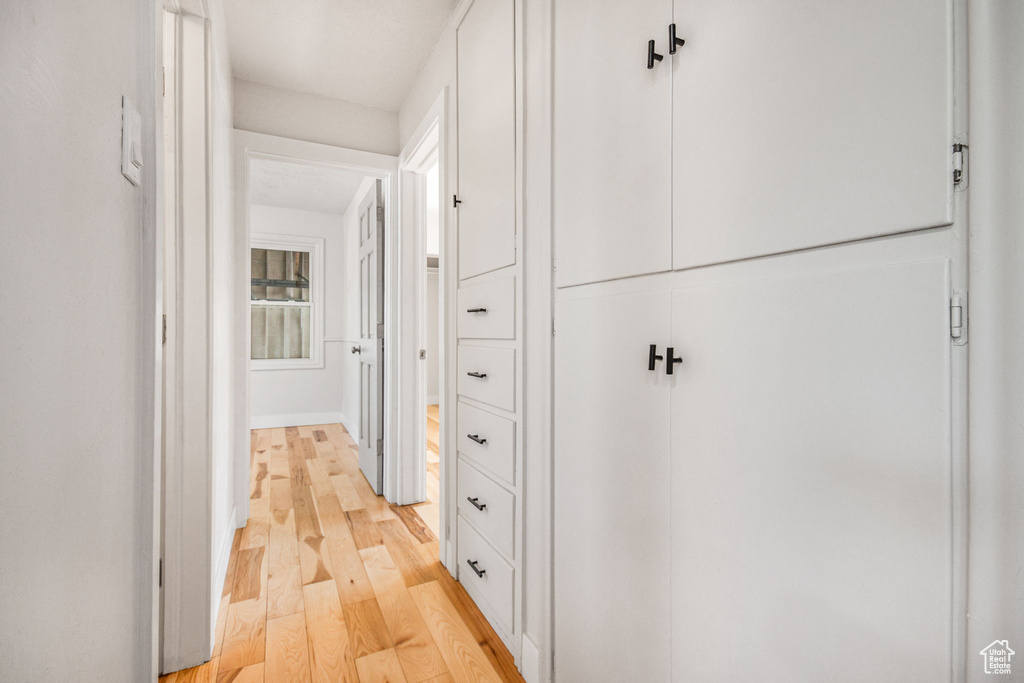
{"x": 959, "y": 163}
{"x": 160, "y": 580}
{"x": 164, "y": 342}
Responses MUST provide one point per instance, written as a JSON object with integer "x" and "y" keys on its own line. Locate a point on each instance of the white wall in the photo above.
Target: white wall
{"x": 78, "y": 349}
{"x": 306, "y": 395}
{"x": 300, "y": 116}
{"x": 437, "y": 73}
{"x": 996, "y": 327}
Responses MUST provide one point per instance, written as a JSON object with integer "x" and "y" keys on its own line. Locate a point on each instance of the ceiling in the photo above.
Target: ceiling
{"x": 363, "y": 51}
{"x": 298, "y": 186}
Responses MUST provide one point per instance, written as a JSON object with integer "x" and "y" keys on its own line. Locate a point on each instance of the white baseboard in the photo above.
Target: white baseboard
{"x": 350, "y": 427}
{"x": 529, "y": 664}
{"x": 301, "y": 420}
{"x": 433, "y": 400}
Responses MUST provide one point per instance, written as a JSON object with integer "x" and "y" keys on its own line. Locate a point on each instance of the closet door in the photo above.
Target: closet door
{"x": 612, "y": 140}
{"x": 611, "y": 486}
{"x": 811, "y": 479}
{"x": 487, "y": 137}
{"x": 800, "y": 123}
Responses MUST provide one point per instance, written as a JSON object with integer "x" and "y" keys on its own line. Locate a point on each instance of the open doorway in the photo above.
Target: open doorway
{"x": 430, "y": 313}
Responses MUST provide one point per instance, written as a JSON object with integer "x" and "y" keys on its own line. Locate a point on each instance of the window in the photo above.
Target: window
{"x": 286, "y": 302}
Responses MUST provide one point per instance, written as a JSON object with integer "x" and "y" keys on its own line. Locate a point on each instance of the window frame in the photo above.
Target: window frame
{"x": 315, "y": 247}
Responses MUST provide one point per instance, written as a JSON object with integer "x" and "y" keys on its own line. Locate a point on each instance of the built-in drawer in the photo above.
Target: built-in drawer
{"x": 483, "y": 568}
{"x": 488, "y": 506}
{"x": 488, "y": 440}
{"x": 488, "y": 310}
{"x": 488, "y": 375}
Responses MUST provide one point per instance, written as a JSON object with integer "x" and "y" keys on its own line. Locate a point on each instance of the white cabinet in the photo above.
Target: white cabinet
{"x": 812, "y": 478}
{"x": 612, "y": 141}
{"x": 778, "y": 126}
{"x": 486, "y": 76}
{"x": 611, "y": 490}
{"x": 800, "y": 123}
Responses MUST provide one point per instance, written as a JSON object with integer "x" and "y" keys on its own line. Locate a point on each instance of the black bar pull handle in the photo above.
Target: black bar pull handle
{"x": 652, "y": 55}
{"x": 476, "y": 437}
{"x": 476, "y": 310}
{"x": 456, "y": 201}
{"x": 653, "y": 357}
{"x": 478, "y": 375}
{"x": 476, "y": 503}
{"x": 671, "y": 361}
{"x": 673, "y": 41}
{"x": 473, "y": 565}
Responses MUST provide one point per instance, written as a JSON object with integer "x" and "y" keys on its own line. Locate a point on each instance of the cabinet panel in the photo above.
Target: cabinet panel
{"x": 612, "y": 140}
{"x": 611, "y": 505}
{"x": 488, "y": 375}
{"x": 488, "y": 310}
{"x": 497, "y": 583}
{"x": 487, "y": 137}
{"x": 496, "y": 453}
{"x": 497, "y": 518}
{"x": 811, "y": 478}
{"x": 799, "y": 123}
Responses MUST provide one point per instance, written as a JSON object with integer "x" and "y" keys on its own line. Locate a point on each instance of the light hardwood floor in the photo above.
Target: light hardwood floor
{"x": 327, "y": 582}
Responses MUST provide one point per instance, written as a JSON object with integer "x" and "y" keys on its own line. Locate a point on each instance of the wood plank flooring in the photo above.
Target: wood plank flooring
{"x": 327, "y": 582}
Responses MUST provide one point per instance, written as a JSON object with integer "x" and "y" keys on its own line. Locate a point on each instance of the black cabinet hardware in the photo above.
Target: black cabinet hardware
{"x": 476, "y": 310}
{"x": 476, "y": 503}
{"x": 653, "y": 357}
{"x": 473, "y": 565}
{"x": 476, "y": 437}
{"x": 652, "y": 55}
{"x": 671, "y": 360}
{"x": 478, "y": 375}
{"x": 456, "y": 201}
{"x": 673, "y": 41}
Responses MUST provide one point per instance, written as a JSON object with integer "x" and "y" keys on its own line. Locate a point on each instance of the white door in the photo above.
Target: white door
{"x": 612, "y": 140}
{"x": 611, "y": 490}
{"x": 487, "y": 137}
{"x": 371, "y": 337}
{"x": 800, "y": 123}
{"x": 811, "y": 478}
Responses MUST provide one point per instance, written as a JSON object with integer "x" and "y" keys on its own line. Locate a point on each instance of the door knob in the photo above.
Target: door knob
{"x": 671, "y": 360}
{"x": 652, "y": 56}
{"x": 356, "y": 349}
{"x": 673, "y": 41}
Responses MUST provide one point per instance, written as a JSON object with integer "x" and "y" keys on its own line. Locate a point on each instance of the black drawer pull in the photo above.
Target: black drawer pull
{"x": 478, "y": 375}
{"x": 472, "y": 565}
{"x": 674, "y": 41}
{"x": 476, "y": 310}
{"x": 476, "y": 437}
{"x": 671, "y": 361}
{"x": 652, "y": 55}
{"x": 476, "y": 503}
{"x": 653, "y": 356}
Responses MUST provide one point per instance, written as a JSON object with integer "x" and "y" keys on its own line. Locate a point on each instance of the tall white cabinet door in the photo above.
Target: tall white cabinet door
{"x": 487, "y": 137}
{"x": 811, "y": 479}
{"x": 611, "y": 486}
{"x": 612, "y": 140}
{"x": 800, "y": 123}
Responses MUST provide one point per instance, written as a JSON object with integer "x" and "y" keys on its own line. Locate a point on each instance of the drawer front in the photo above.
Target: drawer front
{"x": 497, "y": 452}
{"x": 488, "y": 310}
{"x": 497, "y": 584}
{"x": 497, "y": 518}
{"x": 488, "y": 375}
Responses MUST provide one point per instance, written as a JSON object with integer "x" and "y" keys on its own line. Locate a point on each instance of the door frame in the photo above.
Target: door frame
{"x": 249, "y": 145}
{"x": 428, "y": 142}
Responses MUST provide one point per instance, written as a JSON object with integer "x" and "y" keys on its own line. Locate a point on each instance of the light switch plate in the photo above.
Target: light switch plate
{"x": 131, "y": 142}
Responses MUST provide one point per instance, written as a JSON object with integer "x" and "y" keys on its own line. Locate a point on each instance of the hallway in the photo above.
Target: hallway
{"x": 327, "y": 582}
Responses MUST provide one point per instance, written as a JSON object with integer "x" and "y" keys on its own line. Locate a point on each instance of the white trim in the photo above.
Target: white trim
{"x": 433, "y": 400}
{"x": 315, "y": 247}
{"x": 529, "y": 664}
{"x": 298, "y": 420}
{"x": 220, "y": 570}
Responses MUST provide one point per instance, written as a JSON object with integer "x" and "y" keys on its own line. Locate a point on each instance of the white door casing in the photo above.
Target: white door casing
{"x": 371, "y": 337}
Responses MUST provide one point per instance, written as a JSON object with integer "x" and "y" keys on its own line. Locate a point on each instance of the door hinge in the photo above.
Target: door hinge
{"x": 164, "y": 335}
{"x": 958, "y": 318}
{"x": 380, "y": 446}
{"x": 380, "y": 213}
{"x": 380, "y": 330}
{"x": 960, "y": 152}
{"x": 160, "y": 574}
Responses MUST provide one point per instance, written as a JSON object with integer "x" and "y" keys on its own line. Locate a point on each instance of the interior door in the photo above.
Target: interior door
{"x": 611, "y": 490}
{"x": 486, "y": 56}
{"x": 800, "y": 123}
{"x": 371, "y": 334}
{"x": 612, "y": 154}
{"x": 811, "y": 478}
